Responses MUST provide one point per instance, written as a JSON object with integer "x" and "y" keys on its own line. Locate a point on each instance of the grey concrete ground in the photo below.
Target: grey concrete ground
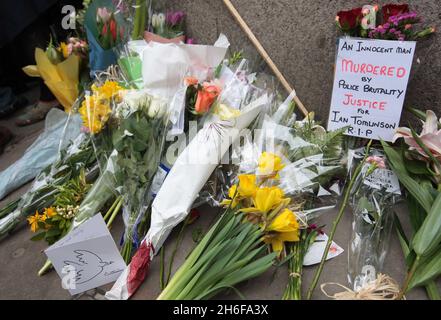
{"x": 20, "y": 258}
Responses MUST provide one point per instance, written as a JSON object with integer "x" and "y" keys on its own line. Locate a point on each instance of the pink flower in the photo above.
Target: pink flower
{"x": 103, "y": 15}
{"x": 430, "y": 136}
{"x": 378, "y": 161}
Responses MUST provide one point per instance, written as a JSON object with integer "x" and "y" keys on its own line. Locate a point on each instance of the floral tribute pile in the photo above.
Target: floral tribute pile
{"x": 136, "y": 105}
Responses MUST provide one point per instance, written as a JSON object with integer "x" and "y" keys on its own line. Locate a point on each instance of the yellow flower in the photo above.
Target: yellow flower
{"x": 64, "y": 50}
{"x": 284, "y": 228}
{"x": 270, "y": 164}
{"x": 50, "y": 212}
{"x": 267, "y": 199}
{"x": 108, "y": 90}
{"x": 247, "y": 185}
{"x": 246, "y": 189}
{"x": 35, "y": 219}
{"x": 94, "y": 113}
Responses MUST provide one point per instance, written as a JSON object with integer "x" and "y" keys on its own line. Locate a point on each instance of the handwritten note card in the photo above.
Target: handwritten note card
{"x": 370, "y": 86}
{"x": 87, "y": 257}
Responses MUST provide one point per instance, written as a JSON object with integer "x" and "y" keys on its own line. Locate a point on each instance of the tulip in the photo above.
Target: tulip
{"x": 113, "y": 30}
{"x": 103, "y": 15}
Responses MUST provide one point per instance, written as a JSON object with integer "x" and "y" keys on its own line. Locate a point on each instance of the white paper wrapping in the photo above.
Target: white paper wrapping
{"x": 187, "y": 177}
{"x": 164, "y": 67}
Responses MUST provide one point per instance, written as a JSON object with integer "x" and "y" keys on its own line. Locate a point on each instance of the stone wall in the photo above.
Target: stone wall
{"x": 300, "y": 36}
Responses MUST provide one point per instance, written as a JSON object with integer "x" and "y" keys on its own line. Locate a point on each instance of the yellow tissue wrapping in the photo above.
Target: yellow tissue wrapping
{"x": 61, "y": 79}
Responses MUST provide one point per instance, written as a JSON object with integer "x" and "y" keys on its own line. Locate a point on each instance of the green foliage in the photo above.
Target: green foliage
{"x": 231, "y": 252}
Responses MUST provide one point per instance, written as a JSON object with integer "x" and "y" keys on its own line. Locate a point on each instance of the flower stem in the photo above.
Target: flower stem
{"x": 109, "y": 212}
{"x": 175, "y": 250}
{"x": 115, "y": 212}
{"x": 409, "y": 278}
{"x": 336, "y": 222}
{"x": 161, "y": 270}
{"x": 47, "y": 266}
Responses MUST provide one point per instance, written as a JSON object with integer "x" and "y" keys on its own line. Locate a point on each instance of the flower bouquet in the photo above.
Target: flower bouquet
{"x": 76, "y": 159}
{"x": 105, "y": 31}
{"x": 373, "y": 200}
{"x": 167, "y": 28}
{"x": 200, "y": 158}
{"x": 391, "y": 22}
{"x": 60, "y": 67}
{"x": 417, "y": 165}
{"x": 309, "y": 176}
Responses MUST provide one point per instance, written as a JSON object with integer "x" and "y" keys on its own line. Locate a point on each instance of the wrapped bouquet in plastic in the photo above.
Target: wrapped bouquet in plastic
{"x": 222, "y": 126}
{"x": 373, "y": 200}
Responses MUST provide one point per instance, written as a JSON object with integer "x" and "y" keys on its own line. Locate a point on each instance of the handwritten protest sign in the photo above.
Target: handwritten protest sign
{"x": 87, "y": 257}
{"x": 370, "y": 86}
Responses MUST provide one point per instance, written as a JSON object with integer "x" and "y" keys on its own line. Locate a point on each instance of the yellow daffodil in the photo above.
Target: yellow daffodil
{"x": 64, "y": 50}
{"x": 267, "y": 199}
{"x": 50, "y": 212}
{"x": 247, "y": 185}
{"x": 35, "y": 219}
{"x": 270, "y": 164}
{"x": 284, "y": 228}
{"x": 246, "y": 189}
{"x": 234, "y": 200}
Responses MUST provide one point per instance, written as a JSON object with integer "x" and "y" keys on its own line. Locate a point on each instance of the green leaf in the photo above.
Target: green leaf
{"x": 428, "y": 236}
{"x": 402, "y": 236}
{"x": 417, "y": 167}
{"x": 428, "y": 269}
{"x": 417, "y": 214}
{"x": 52, "y": 233}
{"x": 39, "y": 236}
{"x": 398, "y": 165}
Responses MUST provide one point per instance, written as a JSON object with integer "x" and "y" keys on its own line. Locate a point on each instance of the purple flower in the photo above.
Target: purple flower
{"x": 191, "y": 41}
{"x": 175, "y": 18}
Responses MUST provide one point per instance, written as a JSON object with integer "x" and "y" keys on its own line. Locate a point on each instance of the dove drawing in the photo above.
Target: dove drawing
{"x": 87, "y": 266}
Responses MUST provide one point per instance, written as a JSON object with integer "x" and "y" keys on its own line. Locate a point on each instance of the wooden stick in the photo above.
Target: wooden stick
{"x": 264, "y": 54}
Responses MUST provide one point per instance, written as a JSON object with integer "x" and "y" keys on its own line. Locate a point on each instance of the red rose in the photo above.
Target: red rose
{"x": 391, "y": 10}
{"x": 349, "y": 20}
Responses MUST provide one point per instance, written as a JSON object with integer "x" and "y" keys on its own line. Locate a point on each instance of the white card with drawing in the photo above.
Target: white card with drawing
{"x": 315, "y": 252}
{"x": 87, "y": 257}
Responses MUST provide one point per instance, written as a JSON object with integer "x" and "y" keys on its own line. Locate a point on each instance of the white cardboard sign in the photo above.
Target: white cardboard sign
{"x": 370, "y": 85}
{"x": 87, "y": 257}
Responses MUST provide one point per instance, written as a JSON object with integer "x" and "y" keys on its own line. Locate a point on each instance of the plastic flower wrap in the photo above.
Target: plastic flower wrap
{"x": 105, "y": 29}
{"x": 62, "y": 77}
{"x": 167, "y": 27}
{"x": 199, "y": 159}
{"x": 373, "y": 200}
{"x": 306, "y": 163}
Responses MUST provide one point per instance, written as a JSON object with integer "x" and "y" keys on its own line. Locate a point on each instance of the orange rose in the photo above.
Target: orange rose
{"x": 206, "y": 97}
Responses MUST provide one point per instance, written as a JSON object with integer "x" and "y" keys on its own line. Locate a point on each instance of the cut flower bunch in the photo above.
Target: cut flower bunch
{"x": 234, "y": 249}
{"x": 390, "y": 22}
